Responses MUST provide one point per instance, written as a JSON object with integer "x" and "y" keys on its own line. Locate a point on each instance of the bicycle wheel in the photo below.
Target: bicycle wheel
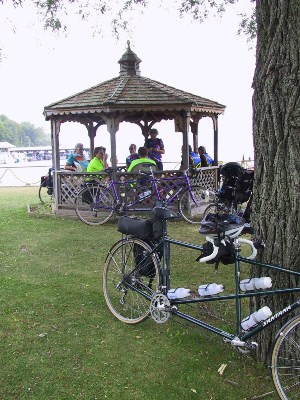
{"x": 191, "y": 212}
{"x": 216, "y": 208}
{"x": 130, "y": 278}
{"x": 94, "y": 205}
{"x": 285, "y": 360}
{"x": 43, "y": 194}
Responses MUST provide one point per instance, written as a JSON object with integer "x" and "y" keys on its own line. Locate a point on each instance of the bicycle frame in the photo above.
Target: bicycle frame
{"x": 238, "y": 337}
{"x": 182, "y": 181}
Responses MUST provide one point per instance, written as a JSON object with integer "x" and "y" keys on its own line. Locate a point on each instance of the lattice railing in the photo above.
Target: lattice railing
{"x": 69, "y": 184}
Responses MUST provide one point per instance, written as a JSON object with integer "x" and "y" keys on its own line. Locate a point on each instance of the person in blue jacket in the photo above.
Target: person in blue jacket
{"x": 202, "y": 152}
{"x": 194, "y": 159}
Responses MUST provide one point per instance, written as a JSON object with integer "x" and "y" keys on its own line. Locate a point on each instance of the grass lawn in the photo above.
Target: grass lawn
{"x": 59, "y": 340}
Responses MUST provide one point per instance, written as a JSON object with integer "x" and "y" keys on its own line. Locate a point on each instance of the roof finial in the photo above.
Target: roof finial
{"x": 129, "y": 62}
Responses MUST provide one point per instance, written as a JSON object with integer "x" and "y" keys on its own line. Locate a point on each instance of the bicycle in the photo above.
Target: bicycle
{"x": 97, "y": 202}
{"x": 46, "y": 187}
{"x": 235, "y": 190}
{"x": 137, "y": 276}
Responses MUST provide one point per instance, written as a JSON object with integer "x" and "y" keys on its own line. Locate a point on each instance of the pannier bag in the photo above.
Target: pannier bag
{"x": 145, "y": 264}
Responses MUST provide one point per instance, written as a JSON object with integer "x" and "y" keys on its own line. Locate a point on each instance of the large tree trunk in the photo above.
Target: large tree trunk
{"x": 276, "y": 119}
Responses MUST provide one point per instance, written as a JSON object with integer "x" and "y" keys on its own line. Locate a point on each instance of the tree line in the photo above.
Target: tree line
{"x": 22, "y": 134}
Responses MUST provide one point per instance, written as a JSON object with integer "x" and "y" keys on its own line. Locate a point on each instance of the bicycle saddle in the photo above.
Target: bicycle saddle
{"x": 161, "y": 212}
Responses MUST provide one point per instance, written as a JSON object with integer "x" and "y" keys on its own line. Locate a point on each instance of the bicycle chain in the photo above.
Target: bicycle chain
{"x": 201, "y": 331}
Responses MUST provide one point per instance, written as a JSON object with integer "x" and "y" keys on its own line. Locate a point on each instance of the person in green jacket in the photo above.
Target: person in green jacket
{"x": 144, "y": 159}
{"x": 97, "y": 163}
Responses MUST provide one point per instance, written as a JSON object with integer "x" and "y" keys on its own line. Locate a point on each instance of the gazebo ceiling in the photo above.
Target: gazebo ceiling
{"x": 132, "y": 96}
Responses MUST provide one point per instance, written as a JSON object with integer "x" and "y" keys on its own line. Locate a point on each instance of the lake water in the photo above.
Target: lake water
{"x": 23, "y": 174}
{"x": 29, "y": 173}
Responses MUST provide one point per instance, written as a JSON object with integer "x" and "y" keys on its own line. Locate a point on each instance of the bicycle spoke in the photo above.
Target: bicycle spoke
{"x": 193, "y": 204}
{"x": 286, "y": 361}
{"x": 94, "y": 205}
{"x": 127, "y": 288}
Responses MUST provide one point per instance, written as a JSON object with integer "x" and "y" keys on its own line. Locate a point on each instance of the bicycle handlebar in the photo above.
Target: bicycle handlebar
{"x": 251, "y": 244}
{"x": 216, "y": 250}
{"x": 213, "y": 254}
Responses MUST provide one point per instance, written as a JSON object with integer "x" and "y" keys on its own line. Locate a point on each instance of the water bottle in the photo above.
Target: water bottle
{"x": 144, "y": 194}
{"x": 256, "y": 283}
{"x": 178, "y": 293}
{"x": 255, "y": 318}
{"x": 169, "y": 194}
{"x": 210, "y": 289}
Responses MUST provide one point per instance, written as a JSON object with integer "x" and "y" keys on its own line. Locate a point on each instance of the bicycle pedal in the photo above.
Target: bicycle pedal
{"x": 243, "y": 346}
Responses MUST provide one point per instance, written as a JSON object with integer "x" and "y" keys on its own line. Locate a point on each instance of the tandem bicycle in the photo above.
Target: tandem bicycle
{"x": 97, "y": 202}
{"x": 137, "y": 284}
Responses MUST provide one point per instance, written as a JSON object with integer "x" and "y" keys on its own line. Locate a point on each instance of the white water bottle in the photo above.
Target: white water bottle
{"x": 169, "y": 194}
{"x": 144, "y": 194}
{"x": 264, "y": 282}
{"x": 178, "y": 293}
{"x": 255, "y": 318}
{"x": 210, "y": 289}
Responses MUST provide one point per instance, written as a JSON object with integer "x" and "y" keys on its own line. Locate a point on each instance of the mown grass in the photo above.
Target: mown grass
{"x": 59, "y": 340}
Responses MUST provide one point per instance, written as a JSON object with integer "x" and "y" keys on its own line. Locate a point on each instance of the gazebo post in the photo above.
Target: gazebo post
{"x": 55, "y": 128}
{"x": 216, "y": 133}
{"x": 113, "y": 127}
{"x": 185, "y": 140}
{"x": 92, "y": 133}
{"x": 194, "y": 129}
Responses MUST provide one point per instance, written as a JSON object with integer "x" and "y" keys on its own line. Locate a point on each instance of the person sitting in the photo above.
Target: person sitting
{"x": 98, "y": 162}
{"x": 143, "y": 159}
{"x": 194, "y": 159}
{"x": 202, "y": 152}
{"x": 77, "y": 161}
{"x": 155, "y": 148}
{"x": 132, "y": 156}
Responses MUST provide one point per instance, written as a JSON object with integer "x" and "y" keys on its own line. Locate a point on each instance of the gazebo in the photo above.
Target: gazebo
{"x": 132, "y": 98}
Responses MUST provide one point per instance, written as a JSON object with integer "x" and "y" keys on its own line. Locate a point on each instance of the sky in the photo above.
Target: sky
{"x": 209, "y": 60}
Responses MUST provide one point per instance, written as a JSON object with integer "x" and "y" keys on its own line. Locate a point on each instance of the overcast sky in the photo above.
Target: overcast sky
{"x": 209, "y": 60}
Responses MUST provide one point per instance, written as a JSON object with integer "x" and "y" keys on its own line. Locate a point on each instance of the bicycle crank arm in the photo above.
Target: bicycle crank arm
{"x": 240, "y": 343}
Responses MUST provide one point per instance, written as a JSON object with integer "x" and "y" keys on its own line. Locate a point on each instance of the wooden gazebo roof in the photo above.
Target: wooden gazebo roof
{"x": 132, "y": 94}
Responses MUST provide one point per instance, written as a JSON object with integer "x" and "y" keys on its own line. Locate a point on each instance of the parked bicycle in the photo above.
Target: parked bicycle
{"x": 97, "y": 202}
{"x": 46, "y": 187}
{"x": 236, "y": 184}
{"x": 137, "y": 277}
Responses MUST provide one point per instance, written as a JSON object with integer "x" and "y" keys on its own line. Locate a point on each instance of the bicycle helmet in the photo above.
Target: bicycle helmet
{"x": 216, "y": 225}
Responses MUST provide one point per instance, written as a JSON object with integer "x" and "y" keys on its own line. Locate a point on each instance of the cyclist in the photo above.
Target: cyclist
{"x": 194, "y": 159}
{"x": 205, "y": 157}
{"x": 144, "y": 159}
{"x": 132, "y": 156}
{"x": 77, "y": 161}
{"x": 97, "y": 164}
{"x": 155, "y": 147}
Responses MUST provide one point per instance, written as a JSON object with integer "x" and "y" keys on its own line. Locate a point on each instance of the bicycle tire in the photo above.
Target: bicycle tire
{"x": 285, "y": 360}
{"x": 120, "y": 270}
{"x": 94, "y": 205}
{"x": 43, "y": 194}
{"x": 189, "y": 211}
{"x": 214, "y": 208}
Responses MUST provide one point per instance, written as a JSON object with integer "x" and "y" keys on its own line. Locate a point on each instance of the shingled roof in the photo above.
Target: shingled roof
{"x": 130, "y": 92}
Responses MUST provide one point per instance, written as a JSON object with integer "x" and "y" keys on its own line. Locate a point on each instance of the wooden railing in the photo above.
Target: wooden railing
{"x": 69, "y": 183}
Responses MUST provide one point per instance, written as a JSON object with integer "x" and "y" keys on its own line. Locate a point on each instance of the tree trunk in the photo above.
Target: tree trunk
{"x": 276, "y": 125}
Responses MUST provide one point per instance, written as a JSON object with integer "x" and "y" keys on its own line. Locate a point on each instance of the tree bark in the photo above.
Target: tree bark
{"x": 276, "y": 133}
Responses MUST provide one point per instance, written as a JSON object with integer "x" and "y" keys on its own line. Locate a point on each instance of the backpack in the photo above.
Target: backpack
{"x": 244, "y": 186}
{"x": 230, "y": 173}
{"x": 47, "y": 181}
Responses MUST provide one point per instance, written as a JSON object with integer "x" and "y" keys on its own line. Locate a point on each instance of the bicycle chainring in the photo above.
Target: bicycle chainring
{"x": 120, "y": 208}
{"x": 160, "y": 309}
